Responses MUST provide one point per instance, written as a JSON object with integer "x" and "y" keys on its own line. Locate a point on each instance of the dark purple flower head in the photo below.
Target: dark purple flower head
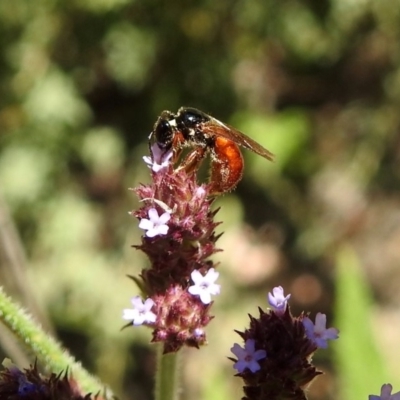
{"x": 179, "y": 238}
{"x": 276, "y": 360}
{"x": 29, "y": 384}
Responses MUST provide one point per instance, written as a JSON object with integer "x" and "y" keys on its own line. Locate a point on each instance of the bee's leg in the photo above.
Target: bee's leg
{"x": 177, "y": 145}
{"x": 192, "y": 161}
{"x": 226, "y": 166}
{"x": 176, "y": 155}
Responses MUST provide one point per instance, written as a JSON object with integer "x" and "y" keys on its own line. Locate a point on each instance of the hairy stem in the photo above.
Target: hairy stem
{"x": 167, "y": 382}
{"x": 49, "y": 353}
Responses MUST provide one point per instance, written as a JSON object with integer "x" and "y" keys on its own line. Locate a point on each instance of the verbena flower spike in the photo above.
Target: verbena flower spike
{"x": 276, "y": 360}
{"x": 30, "y": 384}
{"x": 179, "y": 238}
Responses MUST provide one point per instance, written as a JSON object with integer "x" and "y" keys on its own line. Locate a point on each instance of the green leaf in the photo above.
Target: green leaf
{"x": 361, "y": 368}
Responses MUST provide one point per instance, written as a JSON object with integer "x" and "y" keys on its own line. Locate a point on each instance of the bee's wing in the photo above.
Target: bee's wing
{"x": 217, "y": 128}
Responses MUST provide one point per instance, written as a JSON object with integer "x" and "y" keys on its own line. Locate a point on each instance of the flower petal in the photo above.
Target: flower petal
{"x": 152, "y": 232}
{"x": 196, "y": 276}
{"x": 164, "y": 218}
{"x": 153, "y": 215}
{"x": 163, "y": 229}
{"x": 129, "y": 314}
{"x": 145, "y": 224}
{"x": 205, "y": 297}
{"x": 320, "y": 322}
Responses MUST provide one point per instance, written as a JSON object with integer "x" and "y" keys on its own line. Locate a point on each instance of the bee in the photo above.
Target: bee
{"x": 193, "y": 128}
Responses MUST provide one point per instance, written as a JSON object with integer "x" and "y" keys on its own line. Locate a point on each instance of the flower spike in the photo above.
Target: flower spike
{"x": 179, "y": 239}
{"x": 281, "y": 367}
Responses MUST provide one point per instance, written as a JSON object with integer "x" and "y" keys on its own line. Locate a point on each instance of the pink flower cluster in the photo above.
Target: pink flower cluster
{"x": 179, "y": 237}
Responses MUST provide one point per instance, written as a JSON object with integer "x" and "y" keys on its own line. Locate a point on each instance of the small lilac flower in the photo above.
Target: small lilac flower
{"x": 248, "y": 357}
{"x": 160, "y": 158}
{"x": 204, "y": 286}
{"x": 199, "y": 333}
{"x": 386, "y": 391}
{"x": 318, "y": 332}
{"x": 277, "y": 300}
{"x": 155, "y": 225}
{"x": 141, "y": 313}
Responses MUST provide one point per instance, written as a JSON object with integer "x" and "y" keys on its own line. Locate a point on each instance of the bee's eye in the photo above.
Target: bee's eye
{"x": 163, "y": 133}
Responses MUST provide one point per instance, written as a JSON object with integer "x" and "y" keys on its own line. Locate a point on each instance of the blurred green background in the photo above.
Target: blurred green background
{"x": 315, "y": 81}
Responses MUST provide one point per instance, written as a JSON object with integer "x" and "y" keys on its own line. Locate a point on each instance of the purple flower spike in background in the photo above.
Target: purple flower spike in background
{"x": 204, "y": 286}
{"x": 286, "y": 345}
{"x": 248, "y": 356}
{"x": 277, "y": 299}
{"x": 386, "y": 391}
{"x": 318, "y": 332}
{"x": 30, "y": 384}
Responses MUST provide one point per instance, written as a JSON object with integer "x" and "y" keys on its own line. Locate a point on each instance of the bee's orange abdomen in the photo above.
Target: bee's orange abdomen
{"x": 226, "y": 165}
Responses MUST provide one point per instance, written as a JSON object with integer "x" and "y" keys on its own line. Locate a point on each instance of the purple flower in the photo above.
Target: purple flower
{"x": 30, "y": 384}
{"x": 141, "y": 312}
{"x": 386, "y": 391}
{"x": 277, "y": 300}
{"x": 159, "y": 160}
{"x": 26, "y": 388}
{"x": 318, "y": 332}
{"x": 248, "y": 357}
{"x": 155, "y": 225}
{"x": 204, "y": 286}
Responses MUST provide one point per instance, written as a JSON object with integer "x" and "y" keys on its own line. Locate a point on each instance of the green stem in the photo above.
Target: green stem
{"x": 167, "y": 375}
{"x": 49, "y": 353}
